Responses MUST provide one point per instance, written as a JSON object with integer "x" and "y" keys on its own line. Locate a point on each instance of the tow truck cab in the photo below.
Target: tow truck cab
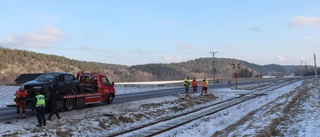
{"x": 95, "y": 88}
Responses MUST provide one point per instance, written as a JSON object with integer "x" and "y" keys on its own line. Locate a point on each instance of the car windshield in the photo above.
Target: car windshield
{"x": 46, "y": 78}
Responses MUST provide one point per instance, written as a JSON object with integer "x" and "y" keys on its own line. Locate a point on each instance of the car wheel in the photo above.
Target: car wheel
{"x": 69, "y": 105}
{"x": 110, "y": 99}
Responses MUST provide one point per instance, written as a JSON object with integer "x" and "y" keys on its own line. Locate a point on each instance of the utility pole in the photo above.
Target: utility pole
{"x": 302, "y": 71}
{"x": 305, "y": 68}
{"x": 315, "y": 69}
{"x": 213, "y": 69}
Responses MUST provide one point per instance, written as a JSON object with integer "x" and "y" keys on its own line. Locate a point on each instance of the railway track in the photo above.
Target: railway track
{"x": 163, "y": 125}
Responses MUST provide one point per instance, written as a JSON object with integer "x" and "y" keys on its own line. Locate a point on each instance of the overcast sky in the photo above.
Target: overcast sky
{"x": 131, "y": 32}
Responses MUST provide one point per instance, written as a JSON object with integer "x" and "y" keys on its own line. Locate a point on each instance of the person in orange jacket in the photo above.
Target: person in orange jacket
{"x": 20, "y": 100}
{"x": 204, "y": 86}
{"x": 194, "y": 85}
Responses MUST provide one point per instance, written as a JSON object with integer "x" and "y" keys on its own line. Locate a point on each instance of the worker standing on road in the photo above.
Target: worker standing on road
{"x": 20, "y": 100}
{"x": 53, "y": 98}
{"x": 204, "y": 86}
{"x": 40, "y": 107}
{"x": 229, "y": 83}
{"x": 186, "y": 84}
{"x": 194, "y": 85}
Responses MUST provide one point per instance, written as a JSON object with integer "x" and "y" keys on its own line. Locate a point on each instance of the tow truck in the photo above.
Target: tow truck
{"x": 94, "y": 88}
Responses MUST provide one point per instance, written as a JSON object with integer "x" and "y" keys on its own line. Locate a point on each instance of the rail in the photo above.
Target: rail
{"x": 163, "y": 125}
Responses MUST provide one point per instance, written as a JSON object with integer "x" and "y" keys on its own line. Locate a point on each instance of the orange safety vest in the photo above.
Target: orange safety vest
{"x": 21, "y": 93}
{"x": 194, "y": 83}
{"x": 20, "y": 96}
{"x": 204, "y": 84}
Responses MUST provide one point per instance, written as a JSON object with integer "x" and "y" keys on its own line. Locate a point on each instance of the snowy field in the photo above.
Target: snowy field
{"x": 294, "y": 109}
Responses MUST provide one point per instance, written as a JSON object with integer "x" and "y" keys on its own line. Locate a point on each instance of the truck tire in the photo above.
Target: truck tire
{"x": 110, "y": 99}
{"x": 69, "y": 105}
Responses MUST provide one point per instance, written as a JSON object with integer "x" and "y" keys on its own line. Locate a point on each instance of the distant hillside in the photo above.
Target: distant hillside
{"x": 203, "y": 67}
{"x": 14, "y": 62}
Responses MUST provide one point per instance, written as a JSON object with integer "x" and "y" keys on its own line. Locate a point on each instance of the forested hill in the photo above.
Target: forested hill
{"x": 14, "y": 62}
{"x": 205, "y": 67}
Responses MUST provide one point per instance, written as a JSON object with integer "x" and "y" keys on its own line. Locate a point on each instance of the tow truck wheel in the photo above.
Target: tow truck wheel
{"x": 110, "y": 99}
{"x": 69, "y": 105}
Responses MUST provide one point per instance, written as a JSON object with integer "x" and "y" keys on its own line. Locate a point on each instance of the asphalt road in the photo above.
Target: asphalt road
{"x": 9, "y": 113}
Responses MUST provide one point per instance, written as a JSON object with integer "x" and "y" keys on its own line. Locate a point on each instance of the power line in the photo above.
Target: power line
{"x": 127, "y": 51}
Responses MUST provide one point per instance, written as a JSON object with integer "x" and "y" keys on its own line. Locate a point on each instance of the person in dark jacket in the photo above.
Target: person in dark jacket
{"x": 54, "y": 98}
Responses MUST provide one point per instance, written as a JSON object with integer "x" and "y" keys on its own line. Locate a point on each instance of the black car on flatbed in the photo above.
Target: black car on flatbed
{"x": 64, "y": 83}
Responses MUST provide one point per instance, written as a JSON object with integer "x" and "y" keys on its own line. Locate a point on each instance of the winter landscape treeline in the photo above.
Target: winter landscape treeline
{"x": 14, "y": 62}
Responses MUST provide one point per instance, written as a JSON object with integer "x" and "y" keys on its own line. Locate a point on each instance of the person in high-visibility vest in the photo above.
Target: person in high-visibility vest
{"x": 40, "y": 107}
{"x": 186, "y": 84}
{"x": 194, "y": 85}
{"x": 204, "y": 86}
{"x": 20, "y": 100}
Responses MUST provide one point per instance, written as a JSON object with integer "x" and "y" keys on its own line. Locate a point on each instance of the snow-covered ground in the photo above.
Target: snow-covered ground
{"x": 289, "y": 111}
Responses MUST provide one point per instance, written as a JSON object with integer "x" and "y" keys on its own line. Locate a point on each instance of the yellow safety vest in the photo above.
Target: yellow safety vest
{"x": 186, "y": 81}
{"x": 40, "y": 100}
